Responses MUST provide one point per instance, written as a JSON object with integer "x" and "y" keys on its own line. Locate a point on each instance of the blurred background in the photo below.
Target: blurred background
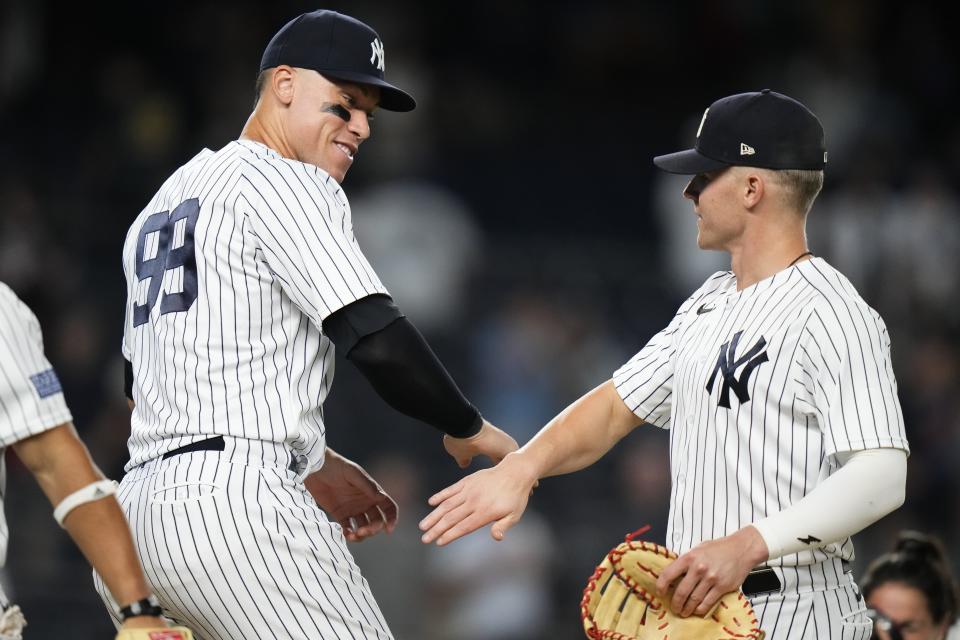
{"x": 517, "y": 219}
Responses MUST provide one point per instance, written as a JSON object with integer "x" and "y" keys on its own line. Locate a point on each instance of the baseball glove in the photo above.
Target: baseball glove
{"x": 173, "y": 633}
{"x": 620, "y": 602}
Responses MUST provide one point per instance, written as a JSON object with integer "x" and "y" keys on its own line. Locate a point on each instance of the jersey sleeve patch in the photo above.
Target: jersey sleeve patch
{"x": 46, "y": 383}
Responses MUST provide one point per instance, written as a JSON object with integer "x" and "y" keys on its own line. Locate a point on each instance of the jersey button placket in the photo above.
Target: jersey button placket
{"x": 681, "y": 478}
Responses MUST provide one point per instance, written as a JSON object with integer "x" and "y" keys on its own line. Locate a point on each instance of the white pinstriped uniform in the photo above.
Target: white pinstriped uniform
{"x": 759, "y": 389}
{"x": 31, "y": 401}
{"x": 255, "y": 251}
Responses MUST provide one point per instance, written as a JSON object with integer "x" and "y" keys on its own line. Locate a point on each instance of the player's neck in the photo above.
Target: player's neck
{"x": 761, "y": 256}
{"x": 259, "y": 130}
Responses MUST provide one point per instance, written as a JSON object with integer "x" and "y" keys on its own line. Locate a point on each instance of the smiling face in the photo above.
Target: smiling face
{"x": 326, "y": 119}
{"x": 714, "y": 196}
{"x": 907, "y": 608}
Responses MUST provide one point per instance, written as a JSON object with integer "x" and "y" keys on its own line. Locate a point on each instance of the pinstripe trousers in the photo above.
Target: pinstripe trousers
{"x": 234, "y": 547}
{"x": 817, "y": 602}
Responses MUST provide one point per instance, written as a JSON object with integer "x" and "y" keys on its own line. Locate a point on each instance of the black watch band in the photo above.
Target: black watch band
{"x": 146, "y": 607}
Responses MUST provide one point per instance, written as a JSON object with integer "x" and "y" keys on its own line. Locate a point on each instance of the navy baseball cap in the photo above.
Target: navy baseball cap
{"x": 761, "y": 129}
{"x": 337, "y": 46}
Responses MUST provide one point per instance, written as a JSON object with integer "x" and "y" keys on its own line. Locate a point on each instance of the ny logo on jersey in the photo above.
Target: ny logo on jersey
{"x": 728, "y": 363}
{"x": 376, "y": 58}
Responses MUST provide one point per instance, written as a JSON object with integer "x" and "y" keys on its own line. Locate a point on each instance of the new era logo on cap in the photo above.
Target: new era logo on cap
{"x": 784, "y": 135}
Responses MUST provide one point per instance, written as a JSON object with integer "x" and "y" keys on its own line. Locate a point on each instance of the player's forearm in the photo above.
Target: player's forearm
{"x": 61, "y": 464}
{"x": 867, "y": 487}
{"x": 580, "y": 435}
{"x": 59, "y": 461}
{"x": 101, "y": 532}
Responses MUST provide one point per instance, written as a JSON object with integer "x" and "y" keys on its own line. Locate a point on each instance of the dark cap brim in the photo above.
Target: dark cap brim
{"x": 391, "y": 98}
{"x": 688, "y": 162}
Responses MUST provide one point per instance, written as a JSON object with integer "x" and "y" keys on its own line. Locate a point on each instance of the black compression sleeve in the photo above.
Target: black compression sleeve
{"x": 346, "y": 326}
{"x": 128, "y": 379}
{"x": 406, "y": 373}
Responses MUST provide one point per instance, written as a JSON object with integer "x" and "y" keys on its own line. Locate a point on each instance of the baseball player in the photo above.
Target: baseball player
{"x": 243, "y": 278}
{"x": 35, "y": 421}
{"x": 774, "y": 380}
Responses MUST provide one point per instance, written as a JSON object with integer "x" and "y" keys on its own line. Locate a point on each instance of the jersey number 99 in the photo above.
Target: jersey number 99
{"x": 167, "y": 258}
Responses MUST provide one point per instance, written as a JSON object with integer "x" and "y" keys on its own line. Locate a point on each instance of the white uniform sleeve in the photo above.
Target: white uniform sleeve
{"x": 846, "y": 355}
{"x": 31, "y": 400}
{"x": 126, "y": 347}
{"x": 645, "y": 382}
{"x": 302, "y": 224}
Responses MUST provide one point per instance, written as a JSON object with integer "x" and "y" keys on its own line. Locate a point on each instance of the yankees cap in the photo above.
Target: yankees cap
{"x": 760, "y": 129}
{"x": 339, "y": 47}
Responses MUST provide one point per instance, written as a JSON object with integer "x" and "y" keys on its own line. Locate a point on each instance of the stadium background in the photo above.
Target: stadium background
{"x": 517, "y": 219}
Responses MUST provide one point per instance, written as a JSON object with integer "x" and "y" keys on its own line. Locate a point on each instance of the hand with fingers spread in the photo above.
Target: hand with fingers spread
{"x": 490, "y": 442}
{"x": 351, "y": 497}
{"x": 498, "y": 495}
{"x": 701, "y": 576}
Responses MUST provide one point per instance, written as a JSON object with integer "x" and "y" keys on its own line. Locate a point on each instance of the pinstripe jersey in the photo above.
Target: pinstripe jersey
{"x": 760, "y": 388}
{"x": 231, "y": 269}
{"x": 31, "y": 400}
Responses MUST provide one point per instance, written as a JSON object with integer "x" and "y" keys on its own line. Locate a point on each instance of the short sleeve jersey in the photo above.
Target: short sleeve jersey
{"x": 231, "y": 269}
{"x": 760, "y": 389}
{"x": 31, "y": 400}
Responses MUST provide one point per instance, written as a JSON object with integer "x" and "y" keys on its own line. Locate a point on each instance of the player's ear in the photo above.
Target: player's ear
{"x": 282, "y": 83}
{"x": 752, "y": 188}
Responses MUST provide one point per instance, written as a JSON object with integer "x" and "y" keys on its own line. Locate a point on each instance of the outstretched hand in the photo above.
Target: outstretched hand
{"x": 351, "y": 497}
{"x": 498, "y": 495}
{"x": 490, "y": 442}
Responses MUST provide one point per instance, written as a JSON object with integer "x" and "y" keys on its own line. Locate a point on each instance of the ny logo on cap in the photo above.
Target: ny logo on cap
{"x": 702, "y": 120}
{"x": 376, "y": 58}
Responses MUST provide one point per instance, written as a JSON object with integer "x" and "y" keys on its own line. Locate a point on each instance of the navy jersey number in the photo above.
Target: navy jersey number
{"x": 166, "y": 259}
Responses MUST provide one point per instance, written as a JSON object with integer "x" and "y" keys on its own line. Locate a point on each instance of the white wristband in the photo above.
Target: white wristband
{"x": 91, "y": 492}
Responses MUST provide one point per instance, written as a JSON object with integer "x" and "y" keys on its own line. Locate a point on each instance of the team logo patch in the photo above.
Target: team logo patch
{"x": 46, "y": 383}
{"x": 727, "y": 365}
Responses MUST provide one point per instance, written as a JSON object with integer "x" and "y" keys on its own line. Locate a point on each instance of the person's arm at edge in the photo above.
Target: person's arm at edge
{"x": 576, "y": 438}
{"x": 62, "y": 465}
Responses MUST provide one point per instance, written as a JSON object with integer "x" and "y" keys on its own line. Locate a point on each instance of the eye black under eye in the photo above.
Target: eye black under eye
{"x": 338, "y": 110}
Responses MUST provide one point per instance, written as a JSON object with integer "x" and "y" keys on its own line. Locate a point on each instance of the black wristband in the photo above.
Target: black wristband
{"x": 146, "y": 607}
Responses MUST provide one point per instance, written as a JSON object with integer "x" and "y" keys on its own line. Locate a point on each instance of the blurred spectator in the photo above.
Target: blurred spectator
{"x": 425, "y": 242}
{"x": 912, "y": 590}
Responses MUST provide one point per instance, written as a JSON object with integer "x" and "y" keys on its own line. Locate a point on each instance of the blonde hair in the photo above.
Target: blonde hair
{"x": 800, "y": 187}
